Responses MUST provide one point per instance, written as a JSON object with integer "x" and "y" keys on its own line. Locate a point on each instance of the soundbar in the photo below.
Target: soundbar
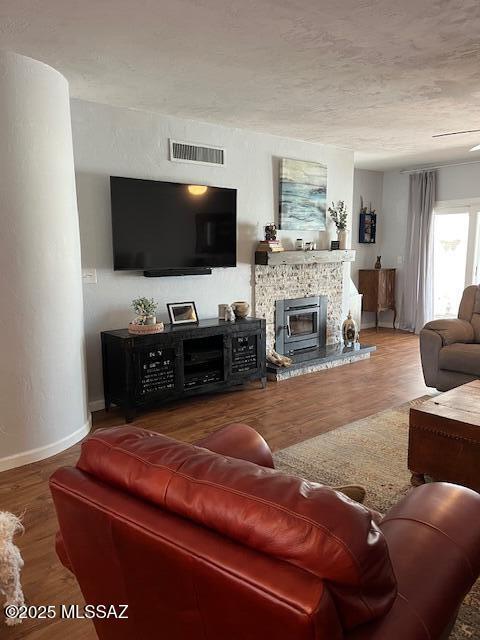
{"x": 192, "y": 271}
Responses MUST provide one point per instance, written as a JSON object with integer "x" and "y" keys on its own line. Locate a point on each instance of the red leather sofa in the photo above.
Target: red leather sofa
{"x": 209, "y": 542}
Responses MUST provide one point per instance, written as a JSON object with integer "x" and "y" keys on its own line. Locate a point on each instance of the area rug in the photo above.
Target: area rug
{"x": 371, "y": 452}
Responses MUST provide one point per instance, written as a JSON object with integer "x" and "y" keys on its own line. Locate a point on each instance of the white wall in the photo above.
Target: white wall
{"x": 369, "y": 185}
{"x": 394, "y": 232}
{"x": 112, "y": 141}
{"x": 43, "y": 406}
{"x": 462, "y": 181}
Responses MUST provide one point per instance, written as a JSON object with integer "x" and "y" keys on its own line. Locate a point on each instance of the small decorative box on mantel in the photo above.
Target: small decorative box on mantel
{"x": 304, "y": 257}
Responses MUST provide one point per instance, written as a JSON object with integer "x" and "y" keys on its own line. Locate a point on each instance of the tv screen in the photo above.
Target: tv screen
{"x": 167, "y": 225}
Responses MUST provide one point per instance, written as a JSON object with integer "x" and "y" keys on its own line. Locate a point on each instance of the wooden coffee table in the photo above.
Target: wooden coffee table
{"x": 444, "y": 437}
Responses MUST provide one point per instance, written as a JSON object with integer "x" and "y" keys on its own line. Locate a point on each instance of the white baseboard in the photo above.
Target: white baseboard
{"x": 34, "y": 455}
{"x": 96, "y": 405}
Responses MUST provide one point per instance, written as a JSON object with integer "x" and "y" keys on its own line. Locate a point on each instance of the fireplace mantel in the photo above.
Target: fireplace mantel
{"x": 303, "y": 257}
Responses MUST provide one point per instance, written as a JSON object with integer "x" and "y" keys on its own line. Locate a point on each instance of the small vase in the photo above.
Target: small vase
{"x": 240, "y": 309}
{"x": 342, "y": 236}
{"x": 150, "y": 320}
{"x": 221, "y": 311}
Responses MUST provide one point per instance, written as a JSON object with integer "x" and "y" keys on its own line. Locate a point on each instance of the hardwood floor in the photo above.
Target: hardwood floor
{"x": 285, "y": 413}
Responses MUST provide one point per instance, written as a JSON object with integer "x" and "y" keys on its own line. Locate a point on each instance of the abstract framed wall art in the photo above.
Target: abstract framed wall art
{"x": 303, "y": 195}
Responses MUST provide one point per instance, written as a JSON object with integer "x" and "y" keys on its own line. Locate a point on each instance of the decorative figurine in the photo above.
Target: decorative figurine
{"x": 229, "y": 314}
{"x": 349, "y": 331}
{"x": 378, "y": 263}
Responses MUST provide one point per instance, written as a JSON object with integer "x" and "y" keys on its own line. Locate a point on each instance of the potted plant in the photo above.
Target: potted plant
{"x": 338, "y": 213}
{"x": 145, "y": 309}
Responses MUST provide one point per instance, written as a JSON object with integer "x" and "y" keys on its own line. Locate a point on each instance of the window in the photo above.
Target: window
{"x": 455, "y": 254}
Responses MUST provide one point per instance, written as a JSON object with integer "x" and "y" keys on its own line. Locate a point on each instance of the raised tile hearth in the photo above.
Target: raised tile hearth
{"x": 318, "y": 359}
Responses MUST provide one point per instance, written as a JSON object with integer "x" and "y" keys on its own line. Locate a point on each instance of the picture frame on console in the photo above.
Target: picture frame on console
{"x": 182, "y": 313}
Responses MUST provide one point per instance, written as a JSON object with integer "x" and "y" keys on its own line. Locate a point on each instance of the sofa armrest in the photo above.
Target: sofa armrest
{"x": 430, "y": 346}
{"x": 433, "y": 538}
{"x": 438, "y": 334}
{"x": 451, "y": 511}
{"x": 451, "y": 330}
{"x": 239, "y": 441}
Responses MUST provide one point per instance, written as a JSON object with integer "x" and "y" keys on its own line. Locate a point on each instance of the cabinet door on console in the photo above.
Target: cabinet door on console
{"x": 244, "y": 354}
{"x": 155, "y": 373}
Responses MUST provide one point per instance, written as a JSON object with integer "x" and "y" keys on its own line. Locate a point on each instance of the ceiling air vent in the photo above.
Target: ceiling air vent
{"x": 198, "y": 154}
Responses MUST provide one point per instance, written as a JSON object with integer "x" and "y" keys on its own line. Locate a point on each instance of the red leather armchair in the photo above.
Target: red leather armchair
{"x": 210, "y": 542}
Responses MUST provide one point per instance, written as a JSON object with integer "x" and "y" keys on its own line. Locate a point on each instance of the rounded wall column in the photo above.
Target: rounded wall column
{"x": 43, "y": 406}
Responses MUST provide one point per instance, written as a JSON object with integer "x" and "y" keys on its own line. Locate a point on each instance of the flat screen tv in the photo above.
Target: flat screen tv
{"x": 167, "y": 228}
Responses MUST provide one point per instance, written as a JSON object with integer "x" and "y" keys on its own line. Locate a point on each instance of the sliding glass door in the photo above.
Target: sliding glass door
{"x": 455, "y": 255}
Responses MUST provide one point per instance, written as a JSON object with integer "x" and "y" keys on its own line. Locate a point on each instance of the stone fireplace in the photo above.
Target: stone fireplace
{"x": 286, "y": 281}
{"x": 281, "y": 280}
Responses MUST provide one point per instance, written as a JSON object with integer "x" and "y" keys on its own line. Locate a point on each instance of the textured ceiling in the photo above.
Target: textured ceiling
{"x": 377, "y": 76}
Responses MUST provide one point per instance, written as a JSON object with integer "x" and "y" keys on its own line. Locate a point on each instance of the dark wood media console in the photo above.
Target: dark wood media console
{"x": 184, "y": 360}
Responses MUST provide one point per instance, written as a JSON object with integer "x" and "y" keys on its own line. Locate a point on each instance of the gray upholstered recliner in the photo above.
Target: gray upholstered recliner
{"x": 450, "y": 349}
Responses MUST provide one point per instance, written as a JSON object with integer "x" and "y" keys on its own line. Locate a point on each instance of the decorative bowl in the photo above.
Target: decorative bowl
{"x": 145, "y": 329}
